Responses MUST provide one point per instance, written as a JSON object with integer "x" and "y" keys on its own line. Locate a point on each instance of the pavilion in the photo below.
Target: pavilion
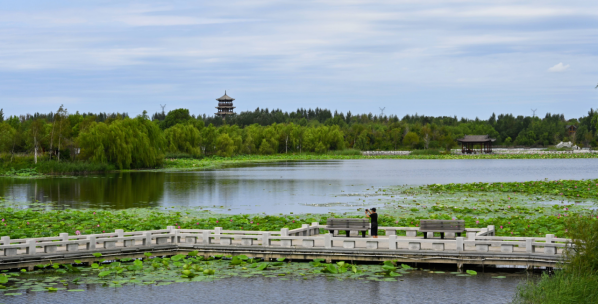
{"x": 469, "y": 141}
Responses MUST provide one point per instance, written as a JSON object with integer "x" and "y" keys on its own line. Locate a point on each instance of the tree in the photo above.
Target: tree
{"x": 174, "y": 117}
{"x": 36, "y": 130}
{"x": 7, "y": 136}
{"x": 127, "y": 143}
{"x": 265, "y": 147}
{"x": 208, "y": 139}
{"x": 285, "y": 133}
{"x": 183, "y": 138}
{"x": 411, "y": 139}
{"x": 225, "y": 146}
{"x": 426, "y": 134}
{"x": 297, "y": 137}
{"x": 362, "y": 142}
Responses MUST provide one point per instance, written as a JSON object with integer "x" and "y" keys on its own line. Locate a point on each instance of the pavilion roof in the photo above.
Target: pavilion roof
{"x": 476, "y": 139}
{"x": 225, "y": 98}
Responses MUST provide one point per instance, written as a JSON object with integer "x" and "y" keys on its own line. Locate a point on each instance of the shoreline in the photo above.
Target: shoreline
{"x": 215, "y": 162}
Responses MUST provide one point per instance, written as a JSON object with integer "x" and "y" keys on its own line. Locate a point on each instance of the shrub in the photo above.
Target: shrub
{"x": 577, "y": 281}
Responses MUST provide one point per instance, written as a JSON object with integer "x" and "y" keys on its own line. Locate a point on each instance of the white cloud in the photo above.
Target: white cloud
{"x": 559, "y": 67}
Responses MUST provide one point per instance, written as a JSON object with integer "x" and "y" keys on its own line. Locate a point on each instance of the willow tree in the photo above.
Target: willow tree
{"x": 183, "y": 138}
{"x": 225, "y": 146}
{"x": 127, "y": 143}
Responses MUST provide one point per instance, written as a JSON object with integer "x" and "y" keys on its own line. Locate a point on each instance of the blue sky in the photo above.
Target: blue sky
{"x": 464, "y": 58}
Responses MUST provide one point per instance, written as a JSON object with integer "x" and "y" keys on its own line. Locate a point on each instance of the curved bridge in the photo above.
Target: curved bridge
{"x": 479, "y": 247}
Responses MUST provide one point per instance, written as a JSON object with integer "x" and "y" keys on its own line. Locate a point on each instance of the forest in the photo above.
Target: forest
{"x": 144, "y": 141}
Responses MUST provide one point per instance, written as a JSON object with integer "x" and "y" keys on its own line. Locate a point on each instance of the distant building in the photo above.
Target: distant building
{"x": 225, "y": 106}
{"x": 571, "y": 129}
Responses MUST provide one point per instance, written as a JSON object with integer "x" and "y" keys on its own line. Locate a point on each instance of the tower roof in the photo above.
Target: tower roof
{"x": 225, "y": 98}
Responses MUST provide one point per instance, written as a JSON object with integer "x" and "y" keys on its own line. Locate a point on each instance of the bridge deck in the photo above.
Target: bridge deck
{"x": 480, "y": 247}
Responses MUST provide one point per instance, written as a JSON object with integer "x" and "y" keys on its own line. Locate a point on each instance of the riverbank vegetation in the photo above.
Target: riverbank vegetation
{"x": 577, "y": 279}
{"x": 187, "y": 162}
{"x": 98, "y": 142}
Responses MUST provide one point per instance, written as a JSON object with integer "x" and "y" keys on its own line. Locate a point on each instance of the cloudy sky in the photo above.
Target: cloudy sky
{"x": 464, "y": 58}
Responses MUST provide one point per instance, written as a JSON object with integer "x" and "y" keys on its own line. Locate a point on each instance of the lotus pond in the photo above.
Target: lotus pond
{"x": 154, "y": 272}
{"x": 530, "y": 208}
{"x": 518, "y": 200}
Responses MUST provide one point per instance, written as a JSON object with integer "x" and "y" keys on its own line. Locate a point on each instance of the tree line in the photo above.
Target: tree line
{"x": 143, "y": 142}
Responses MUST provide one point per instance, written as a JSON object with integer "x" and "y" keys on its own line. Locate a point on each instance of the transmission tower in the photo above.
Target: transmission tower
{"x": 534, "y": 112}
{"x": 382, "y": 111}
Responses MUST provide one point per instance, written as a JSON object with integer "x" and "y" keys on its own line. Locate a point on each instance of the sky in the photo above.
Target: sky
{"x": 454, "y": 57}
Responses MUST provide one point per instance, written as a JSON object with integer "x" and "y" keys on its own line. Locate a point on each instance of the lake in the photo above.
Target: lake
{"x": 419, "y": 287}
{"x": 283, "y": 187}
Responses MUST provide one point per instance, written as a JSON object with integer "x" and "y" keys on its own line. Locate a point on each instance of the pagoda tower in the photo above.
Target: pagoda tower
{"x": 225, "y": 106}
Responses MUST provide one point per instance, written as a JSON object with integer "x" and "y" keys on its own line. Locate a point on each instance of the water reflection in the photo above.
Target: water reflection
{"x": 413, "y": 289}
{"x": 118, "y": 191}
{"x": 310, "y": 186}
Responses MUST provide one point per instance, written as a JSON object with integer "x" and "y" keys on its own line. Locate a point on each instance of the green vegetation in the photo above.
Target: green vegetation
{"x": 572, "y": 189}
{"x": 121, "y": 142}
{"x": 512, "y": 213}
{"x": 191, "y": 267}
{"x": 185, "y": 161}
{"x": 23, "y": 167}
{"x": 577, "y": 281}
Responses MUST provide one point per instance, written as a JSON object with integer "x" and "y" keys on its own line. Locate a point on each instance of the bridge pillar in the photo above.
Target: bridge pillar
{"x": 91, "y": 245}
{"x": 147, "y": 241}
{"x": 327, "y": 240}
{"x": 529, "y": 248}
{"x": 459, "y": 244}
{"x": 392, "y": 242}
{"x": 5, "y": 240}
{"x": 266, "y": 239}
{"x": 31, "y": 248}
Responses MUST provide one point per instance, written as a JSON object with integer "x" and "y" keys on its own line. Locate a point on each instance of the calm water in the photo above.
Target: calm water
{"x": 309, "y": 186}
{"x": 424, "y": 288}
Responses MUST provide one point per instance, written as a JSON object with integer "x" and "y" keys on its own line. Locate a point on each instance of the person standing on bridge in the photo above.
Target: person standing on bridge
{"x": 374, "y": 221}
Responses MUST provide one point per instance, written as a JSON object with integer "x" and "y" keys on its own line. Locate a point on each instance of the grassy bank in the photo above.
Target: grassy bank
{"x": 577, "y": 281}
{"x": 23, "y": 166}
{"x": 220, "y": 162}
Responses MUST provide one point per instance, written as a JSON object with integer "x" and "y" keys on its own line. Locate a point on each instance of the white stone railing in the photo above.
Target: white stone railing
{"x": 308, "y": 236}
